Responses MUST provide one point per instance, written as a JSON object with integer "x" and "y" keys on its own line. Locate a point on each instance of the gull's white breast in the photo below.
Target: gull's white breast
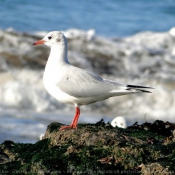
{"x": 50, "y": 80}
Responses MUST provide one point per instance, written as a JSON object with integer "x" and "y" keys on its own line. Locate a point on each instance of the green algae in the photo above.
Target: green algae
{"x": 54, "y": 126}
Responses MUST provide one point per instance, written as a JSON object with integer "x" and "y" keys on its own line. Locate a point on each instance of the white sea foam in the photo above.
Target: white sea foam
{"x": 146, "y": 60}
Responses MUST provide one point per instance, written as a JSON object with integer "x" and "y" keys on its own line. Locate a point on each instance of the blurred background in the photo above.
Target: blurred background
{"x": 129, "y": 41}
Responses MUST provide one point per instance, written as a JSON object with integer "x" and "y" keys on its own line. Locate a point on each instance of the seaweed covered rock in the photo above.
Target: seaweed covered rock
{"x": 94, "y": 149}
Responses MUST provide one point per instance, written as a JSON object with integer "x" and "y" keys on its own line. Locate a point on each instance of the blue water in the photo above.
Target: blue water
{"x": 109, "y": 18}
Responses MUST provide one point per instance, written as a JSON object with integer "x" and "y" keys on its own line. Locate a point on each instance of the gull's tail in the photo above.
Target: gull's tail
{"x": 139, "y": 88}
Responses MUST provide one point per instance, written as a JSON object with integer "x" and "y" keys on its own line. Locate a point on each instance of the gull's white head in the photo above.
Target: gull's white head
{"x": 52, "y": 38}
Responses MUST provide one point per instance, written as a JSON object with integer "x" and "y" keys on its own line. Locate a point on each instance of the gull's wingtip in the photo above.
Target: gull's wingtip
{"x": 144, "y": 91}
{"x": 139, "y": 88}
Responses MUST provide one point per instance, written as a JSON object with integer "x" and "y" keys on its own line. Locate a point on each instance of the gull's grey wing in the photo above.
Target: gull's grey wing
{"x": 79, "y": 83}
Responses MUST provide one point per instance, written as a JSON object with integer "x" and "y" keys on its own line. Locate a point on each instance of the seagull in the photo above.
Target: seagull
{"x": 75, "y": 86}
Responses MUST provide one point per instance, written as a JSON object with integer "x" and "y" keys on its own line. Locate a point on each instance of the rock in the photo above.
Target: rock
{"x": 174, "y": 135}
{"x": 91, "y": 149}
{"x": 155, "y": 169}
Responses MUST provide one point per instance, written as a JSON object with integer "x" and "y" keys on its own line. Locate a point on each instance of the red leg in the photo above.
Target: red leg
{"x": 73, "y": 125}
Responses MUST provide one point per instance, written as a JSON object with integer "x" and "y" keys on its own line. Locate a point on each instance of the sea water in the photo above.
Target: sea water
{"x": 110, "y": 18}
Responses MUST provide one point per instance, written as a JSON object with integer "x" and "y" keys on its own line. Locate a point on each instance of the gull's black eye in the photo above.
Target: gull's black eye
{"x": 49, "y": 37}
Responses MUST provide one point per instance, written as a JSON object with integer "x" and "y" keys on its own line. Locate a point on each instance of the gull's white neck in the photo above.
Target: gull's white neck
{"x": 58, "y": 55}
{"x": 57, "y": 60}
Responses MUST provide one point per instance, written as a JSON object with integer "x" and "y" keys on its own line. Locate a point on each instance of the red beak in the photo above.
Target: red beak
{"x": 38, "y": 42}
